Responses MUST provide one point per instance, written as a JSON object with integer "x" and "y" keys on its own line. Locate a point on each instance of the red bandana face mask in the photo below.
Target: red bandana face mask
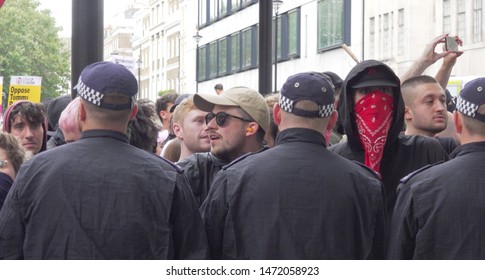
{"x": 373, "y": 115}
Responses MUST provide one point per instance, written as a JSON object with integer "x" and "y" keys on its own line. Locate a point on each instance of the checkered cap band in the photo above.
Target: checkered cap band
{"x": 89, "y": 94}
{"x": 288, "y": 105}
{"x": 326, "y": 111}
{"x": 466, "y": 107}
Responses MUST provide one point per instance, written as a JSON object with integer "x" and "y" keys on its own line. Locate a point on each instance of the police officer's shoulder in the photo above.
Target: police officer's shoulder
{"x": 194, "y": 159}
{"x": 241, "y": 158}
{"x": 177, "y": 168}
{"x": 368, "y": 169}
{"x": 406, "y": 178}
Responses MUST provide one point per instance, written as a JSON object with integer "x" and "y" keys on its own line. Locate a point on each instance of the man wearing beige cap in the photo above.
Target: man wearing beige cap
{"x": 297, "y": 200}
{"x": 236, "y": 125}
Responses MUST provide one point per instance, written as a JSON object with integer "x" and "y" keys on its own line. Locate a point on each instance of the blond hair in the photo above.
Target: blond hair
{"x": 183, "y": 109}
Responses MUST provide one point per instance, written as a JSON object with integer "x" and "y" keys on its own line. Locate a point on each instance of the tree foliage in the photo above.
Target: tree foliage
{"x": 30, "y": 46}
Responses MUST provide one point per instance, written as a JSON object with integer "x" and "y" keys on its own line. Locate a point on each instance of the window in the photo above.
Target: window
{"x": 157, "y": 19}
{"x": 212, "y": 59}
{"x": 202, "y": 12}
{"x": 173, "y": 6}
{"x": 235, "y": 52}
{"x": 333, "y": 23}
{"x": 477, "y": 21}
{"x": 235, "y": 4}
{"x": 400, "y": 32}
{"x": 222, "y": 56}
{"x": 446, "y": 16}
{"x": 246, "y": 2}
{"x": 372, "y": 37}
{"x": 239, "y": 51}
{"x": 288, "y": 37}
{"x": 461, "y": 25}
{"x": 213, "y": 10}
{"x": 202, "y": 63}
{"x": 246, "y": 50}
{"x": 294, "y": 33}
{"x": 222, "y": 8}
{"x": 278, "y": 38}
{"x": 385, "y": 35}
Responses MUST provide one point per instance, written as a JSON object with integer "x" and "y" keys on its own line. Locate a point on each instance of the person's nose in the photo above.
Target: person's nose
{"x": 28, "y": 132}
{"x": 211, "y": 125}
{"x": 440, "y": 107}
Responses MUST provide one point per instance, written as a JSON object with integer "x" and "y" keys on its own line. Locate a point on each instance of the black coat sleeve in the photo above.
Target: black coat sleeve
{"x": 12, "y": 228}
{"x": 190, "y": 241}
{"x": 214, "y": 213}
{"x": 402, "y": 241}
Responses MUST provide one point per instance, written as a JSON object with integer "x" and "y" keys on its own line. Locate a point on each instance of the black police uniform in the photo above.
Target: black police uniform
{"x": 200, "y": 169}
{"x": 440, "y": 209}
{"x": 296, "y": 200}
{"x": 100, "y": 198}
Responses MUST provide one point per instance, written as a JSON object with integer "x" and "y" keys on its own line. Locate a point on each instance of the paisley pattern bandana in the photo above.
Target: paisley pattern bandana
{"x": 373, "y": 115}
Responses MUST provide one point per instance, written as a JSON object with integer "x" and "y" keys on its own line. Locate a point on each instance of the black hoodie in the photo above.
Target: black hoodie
{"x": 402, "y": 154}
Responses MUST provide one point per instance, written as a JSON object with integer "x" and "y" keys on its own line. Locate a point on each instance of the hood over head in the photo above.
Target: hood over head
{"x": 346, "y": 106}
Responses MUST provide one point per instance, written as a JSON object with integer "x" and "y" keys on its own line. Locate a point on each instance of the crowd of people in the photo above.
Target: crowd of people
{"x": 372, "y": 166}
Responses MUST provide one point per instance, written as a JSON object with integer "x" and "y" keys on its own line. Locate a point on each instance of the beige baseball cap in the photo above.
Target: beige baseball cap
{"x": 251, "y": 101}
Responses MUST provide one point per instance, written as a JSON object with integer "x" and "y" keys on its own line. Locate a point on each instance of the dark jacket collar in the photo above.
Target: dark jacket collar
{"x": 300, "y": 135}
{"x": 105, "y": 133}
{"x": 468, "y": 148}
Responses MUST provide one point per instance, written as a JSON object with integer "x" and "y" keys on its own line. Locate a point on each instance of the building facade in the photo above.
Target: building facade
{"x": 310, "y": 38}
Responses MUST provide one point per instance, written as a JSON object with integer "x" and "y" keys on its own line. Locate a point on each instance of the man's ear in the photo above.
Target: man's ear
{"x": 408, "y": 114}
{"x": 332, "y": 120}
{"x": 81, "y": 115}
{"x": 163, "y": 115}
{"x": 178, "y": 131}
{"x": 458, "y": 121}
{"x": 252, "y": 128}
{"x": 277, "y": 114}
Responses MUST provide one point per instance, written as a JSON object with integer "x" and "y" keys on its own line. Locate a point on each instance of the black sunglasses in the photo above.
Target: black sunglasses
{"x": 221, "y": 118}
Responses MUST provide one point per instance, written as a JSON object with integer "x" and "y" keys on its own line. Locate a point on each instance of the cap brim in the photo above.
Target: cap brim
{"x": 206, "y": 102}
{"x": 375, "y": 83}
{"x": 173, "y": 108}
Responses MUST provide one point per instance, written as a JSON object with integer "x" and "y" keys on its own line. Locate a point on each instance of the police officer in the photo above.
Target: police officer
{"x": 297, "y": 200}
{"x": 91, "y": 200}
{"x": 439, "y": 212}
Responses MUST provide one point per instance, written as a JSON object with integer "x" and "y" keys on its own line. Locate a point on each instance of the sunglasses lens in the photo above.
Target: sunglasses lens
{"x": 209, "y": 117}
{"x": 221, "y": 118}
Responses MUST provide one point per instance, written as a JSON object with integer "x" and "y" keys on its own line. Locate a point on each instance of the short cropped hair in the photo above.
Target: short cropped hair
{"x": 183, "y": 109}
{"x": 475, "y": 126}
{"x": 414, "y": 82}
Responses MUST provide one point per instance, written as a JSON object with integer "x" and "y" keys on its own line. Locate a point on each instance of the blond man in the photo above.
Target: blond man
{"x": 189, "y": 128}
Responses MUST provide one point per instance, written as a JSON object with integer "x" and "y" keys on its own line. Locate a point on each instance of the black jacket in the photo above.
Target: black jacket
{"x": 100, "y": 198}
{"x": 440, "y": 212}
{"x": 296, "y": 200}
{"x": 200, "y": 169}
{"x": 5, "y": 184}
{"x": 402, "y": 154}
